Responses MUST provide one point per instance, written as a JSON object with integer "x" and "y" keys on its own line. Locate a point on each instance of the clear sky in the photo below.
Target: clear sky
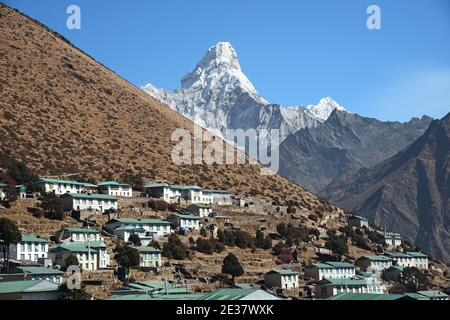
{"x": 294, "y": 52}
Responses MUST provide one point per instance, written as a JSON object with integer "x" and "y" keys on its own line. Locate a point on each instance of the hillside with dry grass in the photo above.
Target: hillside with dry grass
{"x": 62, "y": 112}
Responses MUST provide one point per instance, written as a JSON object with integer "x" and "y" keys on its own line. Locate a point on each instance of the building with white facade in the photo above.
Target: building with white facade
{"x": 374, "y": 263}
{"x": 178, "y": 193}
{"x": 329, "y": 287}
{"x": 331, "y": 269}
{"x": 89, "y": 202}
{"x": 41, "y": 273}
{"x": 151, "y": 228}
{"x": 201, "y": 209}
{"x": 30, "y": 248}
{"x": 358, "y": 221}
{"x": 116, "y": 189}
{"x": 91, "y": 255}
{"x": 149, "y": 257}
{"x": 59, "y": 187}
{"x": 78, "y": 235}
{"x": 186, "y": 221}
{"x": 418, "y": 260}
{"x": 281, "y": 279}
{"x": 220, "y": 197}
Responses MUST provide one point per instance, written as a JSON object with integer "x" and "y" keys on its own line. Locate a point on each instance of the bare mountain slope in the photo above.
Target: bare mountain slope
{"x": 314, "y": 157}
{"x": 409, "y": 193}
{"x": 62, "y": 112}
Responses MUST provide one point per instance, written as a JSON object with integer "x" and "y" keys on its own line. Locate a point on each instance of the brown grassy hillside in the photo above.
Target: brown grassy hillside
{"x": 62, "y": 112}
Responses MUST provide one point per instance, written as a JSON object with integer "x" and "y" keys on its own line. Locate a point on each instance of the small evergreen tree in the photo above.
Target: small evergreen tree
{"x": 72, "y": 260}
{"x": 232, "y": 266}
{"x": 126, "y": 256}
{"x": 174, "y": 248}
{"x": 9, "y": 234}
{"x": 135, "y": 240}
{"x": 414, "y": 279}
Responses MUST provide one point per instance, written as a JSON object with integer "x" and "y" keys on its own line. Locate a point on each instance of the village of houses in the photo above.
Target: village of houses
{"x": 110, "y": 214}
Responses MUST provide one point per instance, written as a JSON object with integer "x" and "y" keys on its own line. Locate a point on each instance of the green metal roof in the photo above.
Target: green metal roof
{"x": 339, "y": 265}
{"x": 282, "y": 271}
{"x": 112, "y": 183}
{"x": 416, "y": 296}
{"x": 417, "y": 254}
{"x": 27, "y": 286}
{"x": 185, "y": 187}
{"x": 399, "y": 268}
{"x": 158, "y": 296}
{"x": 156, "y": 185}
{"x": 319, "y": 266}
{"x": 186, "y": 216}
{"x": 344, "y": 281}
{"x": 33, "y": 239}
{"x": 433, "y": 294}
{"x": 90, "y": 196}
{"x": 358, "y": 217}
{"x": 140, "y": 221}
{"x": 41, "y": 270}
{"x": 51, "y": 180}
{"x": 365, "y": 296}
{"x": 2, "y": 184}
{"x": 202, "y": 205}
{"x": 77, "y": 247}
{"x": 217, "y": 191}
{"x": 147, "y": 249}
{"x": 231, "y": 294}
{"x": 376, "y": 258}
{"x": 81, "y": 230}
{"x": 398, "y": 255}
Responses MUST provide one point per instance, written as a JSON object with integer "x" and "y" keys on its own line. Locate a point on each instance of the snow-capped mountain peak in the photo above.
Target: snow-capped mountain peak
{"x": 217, "y": 95}
{"x": 324, "y": 109}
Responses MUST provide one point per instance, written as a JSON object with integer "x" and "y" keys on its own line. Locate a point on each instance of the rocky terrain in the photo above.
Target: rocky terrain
{"x": 62, "y": 112}
{"x": 408, "y": 193}
{"x": 314, "y": 157}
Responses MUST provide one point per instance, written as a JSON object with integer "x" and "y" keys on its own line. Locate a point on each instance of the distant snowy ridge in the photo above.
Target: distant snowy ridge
{"x": 218, "y": 96}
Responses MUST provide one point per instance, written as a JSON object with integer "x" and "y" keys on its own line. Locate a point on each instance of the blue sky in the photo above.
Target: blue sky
{"x": 294, "y": 52}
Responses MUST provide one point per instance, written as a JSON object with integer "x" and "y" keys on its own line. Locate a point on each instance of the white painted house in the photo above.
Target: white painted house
{"x": 220, "y": 197}
{"x": 149, "y": 257}
{"x": 418, "y": 260}
{"x": 358, "y": 221}
{"x": 186, "y": 221}
{"x": 89, "y": 202}
{"x": 30, "y": 248}
{"x": 178, "y": 193}
{"x": 91, "y": 255}
{"x": 329, "y": 287}
{"x": 201, "y": 209}
{"x": 78, "y": 235}
{"x": 59, "y": 187}
{"x": 281, "y": 279}
{"x": 114, "y": 188}
{"x": 151, "y": 228}
{"x": 41, "y": 273}
{"x": 374, "y": 263}
{"x": 331, "y": 269}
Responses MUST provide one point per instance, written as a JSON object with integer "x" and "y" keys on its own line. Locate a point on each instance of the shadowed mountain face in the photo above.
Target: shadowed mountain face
{"x": 408, "y": 193}
{"x": 62, "y": 112}
{"x": 314, "y": 157}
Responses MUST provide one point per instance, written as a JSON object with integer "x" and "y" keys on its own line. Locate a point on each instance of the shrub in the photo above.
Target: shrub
{"x": 313, "y": 217}
{"x": 286, "y": 256}
{"x": 174, "y": 248}
{"x": 158, "y": 205}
